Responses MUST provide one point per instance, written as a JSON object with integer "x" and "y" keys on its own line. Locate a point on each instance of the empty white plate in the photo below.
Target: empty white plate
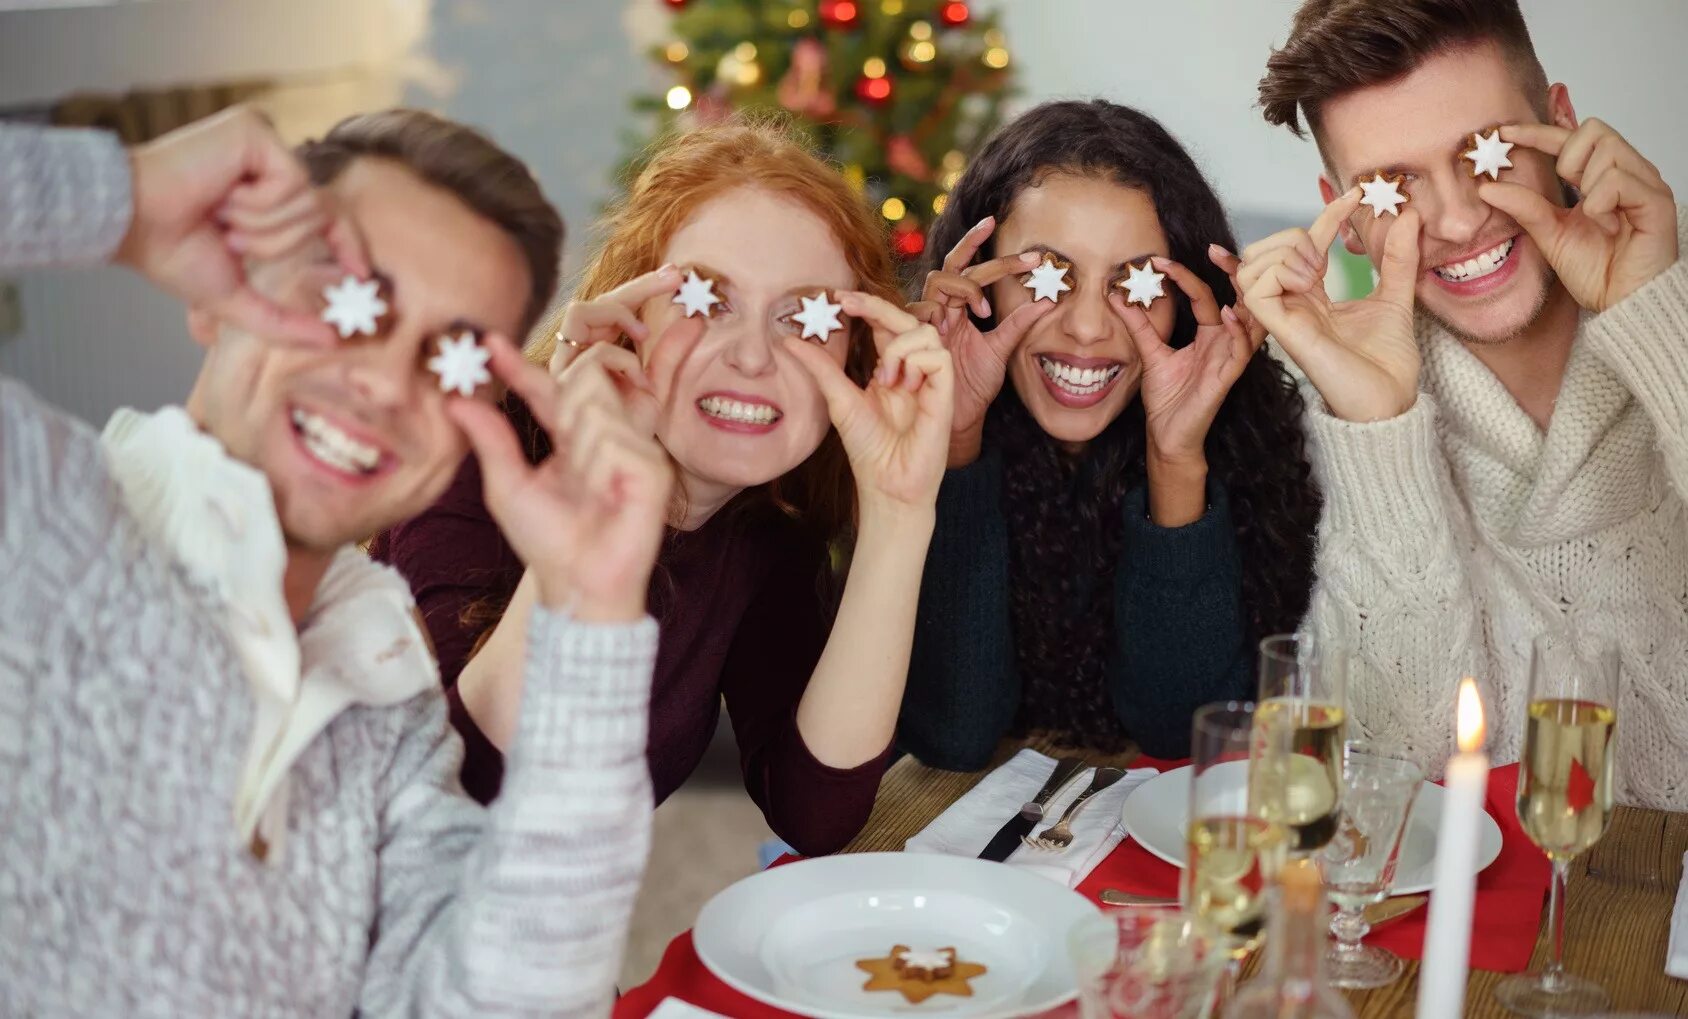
{"x": 790, "y": 936}
{"x": 1156, "y": 812}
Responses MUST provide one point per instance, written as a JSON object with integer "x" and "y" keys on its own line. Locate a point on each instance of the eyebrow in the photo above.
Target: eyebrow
{"x": 709, "y": 270}
{"x": 1121, "y": 267}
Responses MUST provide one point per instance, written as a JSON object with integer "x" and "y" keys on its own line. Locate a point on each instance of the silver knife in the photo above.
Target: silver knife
{"x": 1008, "y": 838}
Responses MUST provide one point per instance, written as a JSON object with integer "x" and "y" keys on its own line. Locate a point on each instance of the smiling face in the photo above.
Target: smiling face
{"x": 355, "y": 438}
{"x": 741, "y": 411}
{"x": 1481, "y": 275}
{"x": 1076, "y": 369}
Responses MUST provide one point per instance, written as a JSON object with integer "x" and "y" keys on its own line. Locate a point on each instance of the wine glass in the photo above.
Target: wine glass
{"x": 1303, "y": 697}
{"x": 1565, "y": 795}
{"x": 1146, "y": 962}
{"x": 1232, "y": 848}
{"x": 1379, "y": 784}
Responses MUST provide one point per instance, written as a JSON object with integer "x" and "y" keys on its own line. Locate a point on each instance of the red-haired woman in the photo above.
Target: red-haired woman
{"x": 795, "y": 444}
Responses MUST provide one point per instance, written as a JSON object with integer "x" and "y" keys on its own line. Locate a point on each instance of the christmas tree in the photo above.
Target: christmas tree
{"x": 898, "y": 92}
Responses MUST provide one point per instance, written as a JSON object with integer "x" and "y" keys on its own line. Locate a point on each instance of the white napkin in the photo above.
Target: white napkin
{"x": 968, "y": 825}
{"x": 674, "y": 1008}
{"x": 1676, "y": 956}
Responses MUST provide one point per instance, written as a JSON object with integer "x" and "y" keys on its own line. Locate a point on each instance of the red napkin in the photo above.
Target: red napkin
{"x": 1507, "y": 915}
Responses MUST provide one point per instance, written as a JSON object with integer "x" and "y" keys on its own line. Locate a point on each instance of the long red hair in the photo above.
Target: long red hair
{"x": 685, "y": 171}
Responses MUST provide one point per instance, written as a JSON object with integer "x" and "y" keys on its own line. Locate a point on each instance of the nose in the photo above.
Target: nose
{"x": 383, "y": 371}
{"x": 1086, "y": 317}
{"x": 1452, "y": 210}
{"x": 749, "y": 350}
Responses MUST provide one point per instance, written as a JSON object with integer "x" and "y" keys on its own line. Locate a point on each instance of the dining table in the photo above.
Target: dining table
{"x": 1619, "y": 897}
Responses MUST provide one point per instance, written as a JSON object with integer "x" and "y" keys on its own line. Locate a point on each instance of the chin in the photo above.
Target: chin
{"x": 1493, "y": 315}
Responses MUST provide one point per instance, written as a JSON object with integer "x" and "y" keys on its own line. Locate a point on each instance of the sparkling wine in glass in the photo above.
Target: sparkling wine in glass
{"x": 1303, "y": 701}
{"x": 1232, "y": 849}
{"x": 1565, "y": 795}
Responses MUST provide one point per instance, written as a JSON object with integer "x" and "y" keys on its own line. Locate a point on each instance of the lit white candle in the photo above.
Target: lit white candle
{"x": 1447, "y": 934}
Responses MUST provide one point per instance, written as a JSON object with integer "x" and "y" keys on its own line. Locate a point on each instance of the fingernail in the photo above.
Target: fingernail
{"x": 1219, "y": 249}
{"x": 1031, "y": 257}
{"x": 982, "y": 222}
{"x": 1227, "y": 314}
{"x": 1159, "y": 261}
{"x": 668, "y": 269}
{"x": 985, "y": 306}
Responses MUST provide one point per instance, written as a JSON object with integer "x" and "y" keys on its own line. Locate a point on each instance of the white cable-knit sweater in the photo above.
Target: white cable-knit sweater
{"x": 1457, "y": 532}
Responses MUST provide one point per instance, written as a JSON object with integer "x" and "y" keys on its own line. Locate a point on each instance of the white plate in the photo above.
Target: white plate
{"x": 790, "y": 936}
{"x": 1155, "y": 812}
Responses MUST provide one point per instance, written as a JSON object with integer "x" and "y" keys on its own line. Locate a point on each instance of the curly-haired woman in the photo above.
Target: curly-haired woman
{"x": 1133, "y": 509}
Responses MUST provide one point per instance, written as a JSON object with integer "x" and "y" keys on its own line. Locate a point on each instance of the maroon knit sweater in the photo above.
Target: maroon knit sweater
{"x": 743, "y": 619}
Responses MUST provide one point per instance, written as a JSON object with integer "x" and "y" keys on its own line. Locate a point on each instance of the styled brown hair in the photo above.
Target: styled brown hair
{"x": 1337, "y": 46}
{"x": 685, "y": 171}
{"x": 459, "y": 159}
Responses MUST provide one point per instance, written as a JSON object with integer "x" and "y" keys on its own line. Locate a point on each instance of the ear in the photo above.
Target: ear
{"x": 1559, "y": 108}
{"x": 202, "y": 326}
{"x": 1350, "y": 237}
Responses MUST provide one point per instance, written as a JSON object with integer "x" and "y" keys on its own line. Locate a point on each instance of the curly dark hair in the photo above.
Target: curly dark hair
{"x": 1064, "y": 512}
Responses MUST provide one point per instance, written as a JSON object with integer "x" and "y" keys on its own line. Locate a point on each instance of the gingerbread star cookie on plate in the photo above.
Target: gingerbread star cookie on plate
{"x": 918, "y": 974}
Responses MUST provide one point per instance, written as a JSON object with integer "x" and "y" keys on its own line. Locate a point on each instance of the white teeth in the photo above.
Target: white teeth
{"x": 1476, "y": 268}
{"x": 333, "y": 446}
{"x": 734, "y": 410}
{"x": 1078, "y": 381}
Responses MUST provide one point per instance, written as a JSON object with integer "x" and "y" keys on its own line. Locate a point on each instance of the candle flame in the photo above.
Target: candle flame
{"x": 1468, "y": 717}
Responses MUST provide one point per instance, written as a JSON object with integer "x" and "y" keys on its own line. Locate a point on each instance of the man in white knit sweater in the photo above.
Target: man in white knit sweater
{"x": 1501, "y": 428}
{"x": 228, "y": 782}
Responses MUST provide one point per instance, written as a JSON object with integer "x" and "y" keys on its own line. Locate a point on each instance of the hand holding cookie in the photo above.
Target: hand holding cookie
{"x": 1361, "y": 355}
{"x": 1623, "y": 231}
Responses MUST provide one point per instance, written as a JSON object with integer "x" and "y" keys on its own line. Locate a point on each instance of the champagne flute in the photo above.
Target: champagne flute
{"x": 1232, "y": 849}
{"x": 1565, "y": 795}
{"x": 1303, "y": 698}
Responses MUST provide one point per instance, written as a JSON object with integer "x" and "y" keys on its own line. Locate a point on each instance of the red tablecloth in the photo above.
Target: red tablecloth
{"x": 1508, "y": 914}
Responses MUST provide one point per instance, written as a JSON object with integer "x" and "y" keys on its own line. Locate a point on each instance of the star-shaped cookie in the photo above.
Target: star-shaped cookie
{"x": 354, "y": 306}
{"x": 1383, "y": 194}
{"x": 1489, "y": 154}
{"x": 888, "y": 974}
{"x": 1143, "y": 286}
{"x": 461, "y": 363}
{"x": 819, "y": 317}
{"x": 1047, "y": 281}
{"x": 697, "y": 295}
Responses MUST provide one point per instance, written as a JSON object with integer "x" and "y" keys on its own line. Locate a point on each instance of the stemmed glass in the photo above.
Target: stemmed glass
{"x": 1303, "y": 699}
{"x": 1146, "y": 962}
{"x": 1232, "y": 849}
{"x": 1565, "y": 795}
{"x": 1380, "y": 782}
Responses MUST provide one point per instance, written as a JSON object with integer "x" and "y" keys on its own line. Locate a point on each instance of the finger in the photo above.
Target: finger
{"x": 1013, "y": 328}
{"x": 276, "y": 243}
{"x": 986, "y": 273}
{"x": 1256, "y": 267}
{"x": 929, "y": 312}
{"x": 256, "y": 314}
{"x": 602, "y": 314}
{"x": 954, "y": 290}
{"x": 1323, "y": 230}
{"x": 1613, "y": 152}
{"x": 1222, "y": 257}
{"x": 1548, "y": 138}
{"x": 1397, "y": 275}
{"x": 1243, "y": 343}
{"x": 671, "y": 349}
{"x": 891, "y": 358}
{"x": 346, "y": 244}
{"x": 961, "y": 256}
{"x": 1538, "y": 216}
{"x": 619, "y": 363}
{"x": 1202, "y": 302}
{"x": 1282, "y": 239}
{"x": 923, "y": 366}
{"x": 581, "y": 393}
{"x": 841, "y": 395}
{"x": 887, "y": 319}
{"x": 933, "y": 375}
{"x": 636, "y": 291}
{"x": 1578, "y": 147}
{"x": 503, "y": 464}
{"x": 1151, "y": 347}
{"x": 1618, "y": 191}
{"x": 258, "y": 219}
{"x": 532, "y": 383}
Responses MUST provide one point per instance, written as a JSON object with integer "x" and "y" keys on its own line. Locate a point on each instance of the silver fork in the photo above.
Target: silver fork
{"x": 1057, "y": 837}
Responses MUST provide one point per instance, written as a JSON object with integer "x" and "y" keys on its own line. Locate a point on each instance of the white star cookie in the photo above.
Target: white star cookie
{"x": 697, "y": 295}
{"x": 1489, "y": 154}
{"x": 1143, "y": 286}
{"x": 354, "y": 306}
{"x": 461, "y": 363}
{"x": 1047, "y": 281}
{"x": 1383, "y": 194}
{"x": 819, "y": 317}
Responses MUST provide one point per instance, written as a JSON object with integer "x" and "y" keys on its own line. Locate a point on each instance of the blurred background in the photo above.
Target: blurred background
{"x": 900, "y": 92}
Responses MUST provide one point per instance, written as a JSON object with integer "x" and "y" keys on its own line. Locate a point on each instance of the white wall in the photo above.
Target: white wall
{"x": 1194, "y": 65}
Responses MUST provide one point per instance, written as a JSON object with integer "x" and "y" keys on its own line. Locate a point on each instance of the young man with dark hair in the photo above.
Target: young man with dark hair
{"x": 230, "y": 787}
{"x": 1501, "y": 427}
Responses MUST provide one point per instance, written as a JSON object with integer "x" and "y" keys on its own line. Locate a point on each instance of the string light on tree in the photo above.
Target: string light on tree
{"x": 676, "y": 52}
{"x": 873, "y": 90}
{"x": 798, "y": 18}
{"x": 679, "y": 97}
{"x": 909, "y": 243}
{"x": 954, "y": 13}
{"x": 839, "y": 13}
{"x": 894, "y": 209}
{"x": 891, "y": 8}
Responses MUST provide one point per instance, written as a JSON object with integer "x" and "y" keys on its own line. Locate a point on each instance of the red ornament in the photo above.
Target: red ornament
{"x": 676, "y": 4}
{"x": 839, "y": 13}
{"x": 909, "y": 243}
{"x": 873, "y": 90}
{"x": 954, "y": 13}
